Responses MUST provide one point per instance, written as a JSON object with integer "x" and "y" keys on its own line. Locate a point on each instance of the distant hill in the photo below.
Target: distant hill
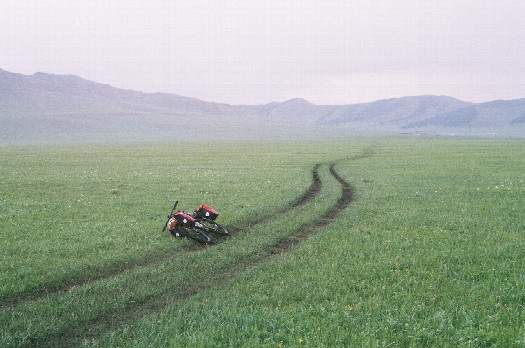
{"x": 46, "y": 107}
{"x": 397, "y": 111}
{"x": 417, "y": 114}
{"x": 53, "y": 108}
{"x": 297, "y": 109}
{"x": 389, "y": 112}
{"x": 492, "y": 114}
{"x": 45, "y": 93}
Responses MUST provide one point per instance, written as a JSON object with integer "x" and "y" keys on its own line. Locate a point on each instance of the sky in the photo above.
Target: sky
{"x": 260, "y": 51}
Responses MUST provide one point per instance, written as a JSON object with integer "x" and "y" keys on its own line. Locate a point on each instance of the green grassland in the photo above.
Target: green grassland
{"x": 429, "y": 252}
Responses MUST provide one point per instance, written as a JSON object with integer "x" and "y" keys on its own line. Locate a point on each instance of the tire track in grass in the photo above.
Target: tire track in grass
{"x": 309, "y": 195}
{"x": 333, "y": 214}
{"x": 152, "y": 304}
{"x": 110, "y": 272}
{"x": 11, "y": 302}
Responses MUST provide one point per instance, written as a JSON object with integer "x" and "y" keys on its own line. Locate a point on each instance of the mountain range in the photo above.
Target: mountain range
{"x": 47, "y": 107}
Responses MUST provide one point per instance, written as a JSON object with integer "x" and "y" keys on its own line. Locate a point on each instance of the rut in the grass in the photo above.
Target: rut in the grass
{"x": 115, "y": 270}
{"x": 150, "y": 305}
{"x": 309, "y": 195}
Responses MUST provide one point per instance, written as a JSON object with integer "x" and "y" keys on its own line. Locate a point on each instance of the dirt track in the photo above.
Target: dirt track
{"x": 122, "y": 315}
{"x": 149, "y": 261}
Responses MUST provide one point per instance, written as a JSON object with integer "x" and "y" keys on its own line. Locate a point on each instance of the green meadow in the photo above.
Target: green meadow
{"x": 428, "y": 250}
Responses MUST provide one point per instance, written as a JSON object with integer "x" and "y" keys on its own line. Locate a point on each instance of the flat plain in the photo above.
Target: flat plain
{"x": 400, "y": 241}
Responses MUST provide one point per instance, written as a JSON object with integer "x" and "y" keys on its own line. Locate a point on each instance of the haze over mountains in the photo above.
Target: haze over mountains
{"x": 46, "y": 107}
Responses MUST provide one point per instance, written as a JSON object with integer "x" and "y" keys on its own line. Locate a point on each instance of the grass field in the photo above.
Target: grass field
{"x": 430, "y": 251}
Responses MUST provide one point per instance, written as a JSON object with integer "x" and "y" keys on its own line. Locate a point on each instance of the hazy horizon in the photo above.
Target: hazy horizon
{"x": 327, "y": 52}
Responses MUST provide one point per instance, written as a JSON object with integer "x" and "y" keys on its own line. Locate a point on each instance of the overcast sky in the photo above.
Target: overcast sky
{"x": 255, "y": 52}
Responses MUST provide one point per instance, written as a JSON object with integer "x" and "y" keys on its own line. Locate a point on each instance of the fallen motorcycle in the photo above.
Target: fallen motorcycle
{"x": 196, "y": 225}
